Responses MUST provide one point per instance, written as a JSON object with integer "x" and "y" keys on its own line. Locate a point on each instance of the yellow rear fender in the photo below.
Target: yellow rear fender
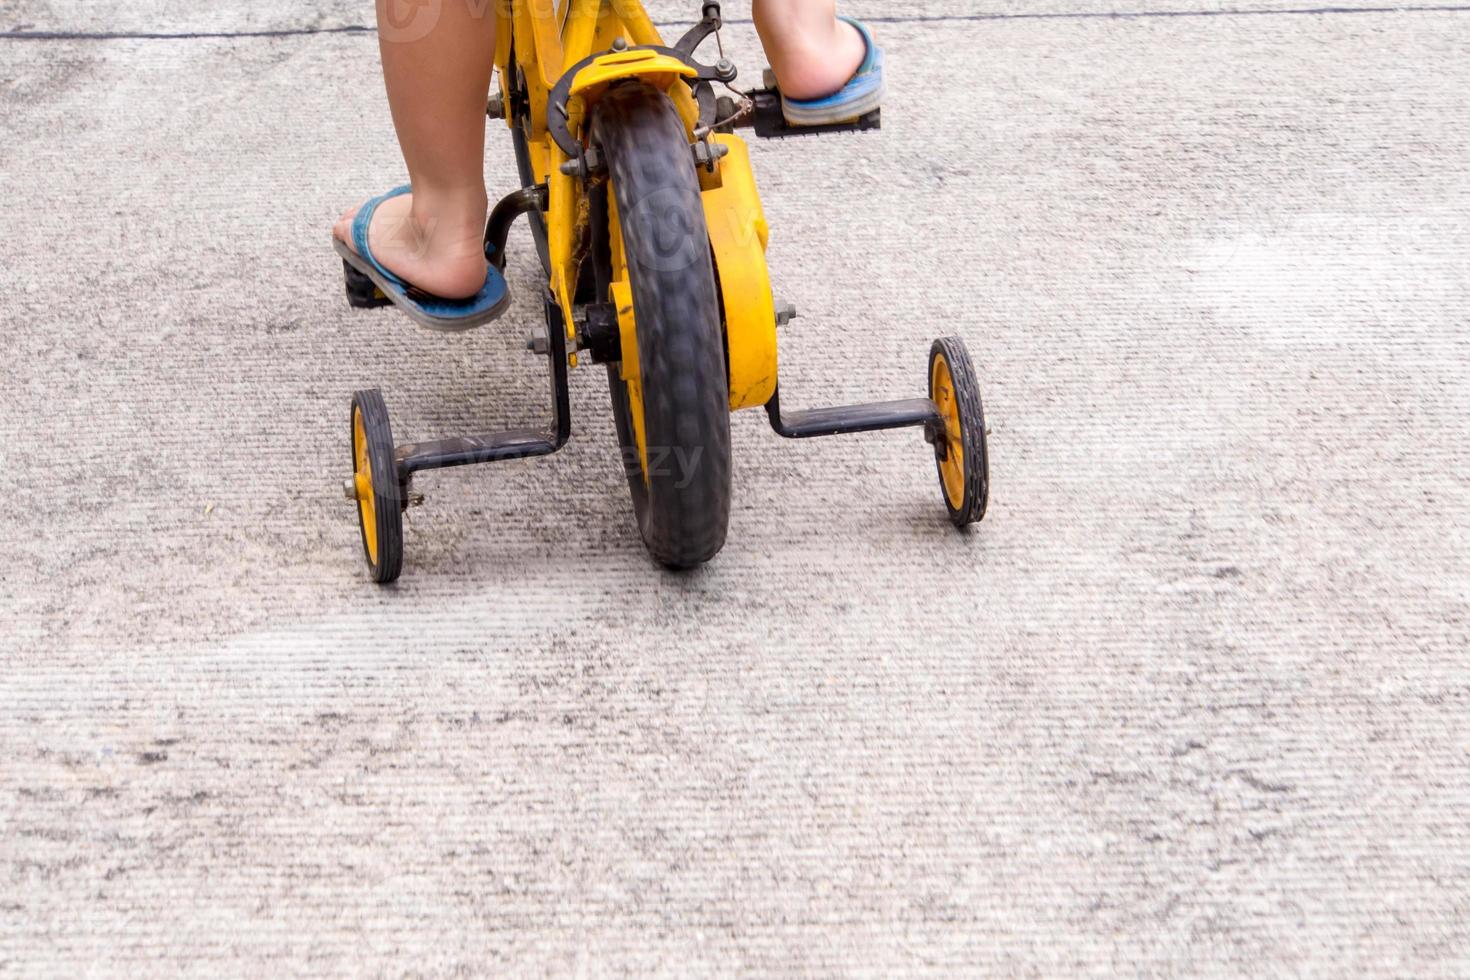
{"x": 738, "y": 235}
{"x": 574, "y": 98}
{"x": 659, "y": 70}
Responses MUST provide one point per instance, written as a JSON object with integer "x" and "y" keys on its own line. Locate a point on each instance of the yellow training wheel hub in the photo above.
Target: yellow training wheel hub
{"x": 362, "y": 480}
{"x": 952, "y": 467}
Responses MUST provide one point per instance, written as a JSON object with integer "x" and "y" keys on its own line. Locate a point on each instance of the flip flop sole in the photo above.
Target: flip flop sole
{"x": 395, "y": 294}
{"x": 797, "y": 115}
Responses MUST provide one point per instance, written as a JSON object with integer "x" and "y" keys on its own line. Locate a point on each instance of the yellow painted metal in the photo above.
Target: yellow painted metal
{"x": 684, "y": 103}
{"x": 659, "y": 70}
{"x": 738, "y": 233}
{"x": 622, "y": 296}
{"x": 636, "y": 20}
{"x": 609, "y": 29}
{"x": 504, "y": 35}
{"x": 548, "y": 38}
{"x": 640, "y": 28}
{"x": 362, "y": 481}
{"x": 952, "y": 467}
{"x": 536, "y": 32}
{"x": 580, "y": 30}
{"x": 621, "y": 293}
{"x": 564, "y": 198}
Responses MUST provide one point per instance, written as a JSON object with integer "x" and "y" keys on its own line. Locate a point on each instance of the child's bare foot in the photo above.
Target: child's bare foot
{"x": 815, "y": 67}
{"x": 436, "y": 245}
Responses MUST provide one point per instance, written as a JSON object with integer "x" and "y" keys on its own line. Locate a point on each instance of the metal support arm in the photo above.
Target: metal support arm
{"x": 841, "y": 419}
{"x": 511, "y": 444}
{"x": 505, "y": 213}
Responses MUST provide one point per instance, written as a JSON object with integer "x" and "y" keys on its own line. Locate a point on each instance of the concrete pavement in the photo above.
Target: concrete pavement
{"x": 1191, "y": 701}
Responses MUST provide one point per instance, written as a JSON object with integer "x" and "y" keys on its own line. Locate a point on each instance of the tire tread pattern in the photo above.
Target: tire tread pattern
{"x": 684, "y": 516}
{"x": 387, "y": 495}
{"x": 972, "y": 431}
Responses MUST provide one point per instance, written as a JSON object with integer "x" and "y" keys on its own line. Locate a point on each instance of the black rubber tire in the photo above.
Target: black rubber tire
{"x": 976, "y": 495}
{"x": 388, "y": 495}
{"x": 683, "y": 508}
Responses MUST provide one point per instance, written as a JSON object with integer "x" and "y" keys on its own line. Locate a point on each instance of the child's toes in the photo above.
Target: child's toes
{"x": 342, "y": 230}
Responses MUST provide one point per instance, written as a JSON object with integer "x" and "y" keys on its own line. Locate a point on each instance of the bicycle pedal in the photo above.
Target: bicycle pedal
{"x": 769, "y": 122}
{"x": 361, "y": 293}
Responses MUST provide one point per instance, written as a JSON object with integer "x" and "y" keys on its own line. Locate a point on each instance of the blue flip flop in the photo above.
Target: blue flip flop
{"x": 426, "y": 310}
{"x": 861, "y": 95}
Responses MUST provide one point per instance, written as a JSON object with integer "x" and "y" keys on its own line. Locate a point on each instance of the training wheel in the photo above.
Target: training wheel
{"x": 959, "y": 450}
{"x": 375, "y": 487}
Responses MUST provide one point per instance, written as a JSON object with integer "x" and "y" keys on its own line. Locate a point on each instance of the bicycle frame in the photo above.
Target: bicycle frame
{"x": 556, "y": 60}
{"x": 548, "y": 39}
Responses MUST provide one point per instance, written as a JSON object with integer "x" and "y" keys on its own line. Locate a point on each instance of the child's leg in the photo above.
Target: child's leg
{"x": 812, "y": 52}
{"x": 438, "y": 78}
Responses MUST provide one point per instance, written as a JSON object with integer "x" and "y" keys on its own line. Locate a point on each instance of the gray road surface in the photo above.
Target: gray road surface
{"x": 1193, "y": 701}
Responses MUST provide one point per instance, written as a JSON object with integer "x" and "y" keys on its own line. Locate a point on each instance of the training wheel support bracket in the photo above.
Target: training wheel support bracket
{"x": 952, "y": 417}
{"x": 847, "y": 419}
{"x": 414, "y": 457}
{"x": 438, "y": 454}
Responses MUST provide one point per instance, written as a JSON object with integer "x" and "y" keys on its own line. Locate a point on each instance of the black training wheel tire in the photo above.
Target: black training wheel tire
{"x": 683, "y": 503}
{"x": 960, "y": 451}
{"x": 380, "y": 497}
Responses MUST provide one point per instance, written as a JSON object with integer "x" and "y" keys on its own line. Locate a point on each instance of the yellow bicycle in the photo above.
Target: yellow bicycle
{"x": 645, "y": 214}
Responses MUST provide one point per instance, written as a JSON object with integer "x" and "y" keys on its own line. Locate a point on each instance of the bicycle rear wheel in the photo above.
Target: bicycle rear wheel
{"x": 671, "y": 397}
